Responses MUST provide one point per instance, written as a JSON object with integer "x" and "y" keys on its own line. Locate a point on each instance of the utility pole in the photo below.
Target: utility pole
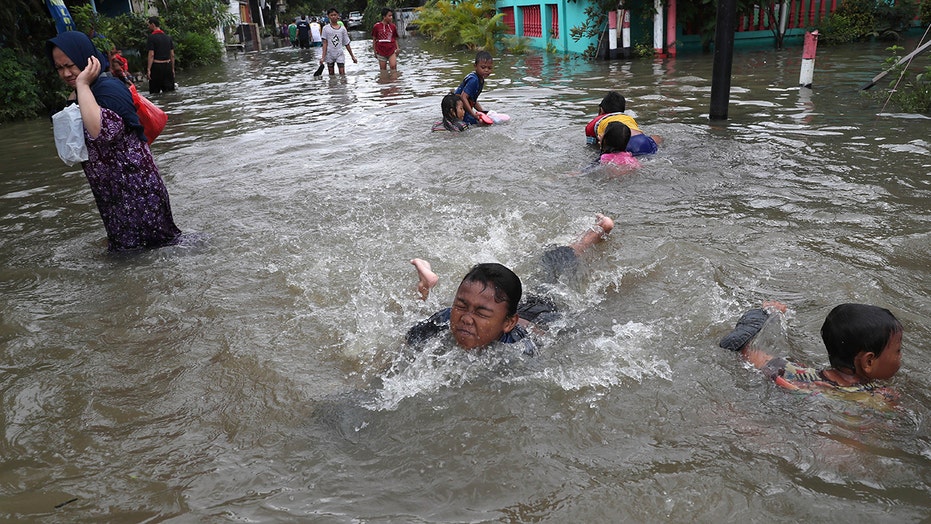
{"x": 723, "y": 59}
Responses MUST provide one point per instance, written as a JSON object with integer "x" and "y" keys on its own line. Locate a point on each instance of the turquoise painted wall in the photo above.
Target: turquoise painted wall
{"x": 569, "y": 14}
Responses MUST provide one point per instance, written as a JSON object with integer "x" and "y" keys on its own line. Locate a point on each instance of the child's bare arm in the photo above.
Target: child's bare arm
{"x": 427, "y": 278}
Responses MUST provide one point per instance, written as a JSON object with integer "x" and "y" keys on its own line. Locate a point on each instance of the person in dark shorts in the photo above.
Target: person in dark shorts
{"x": 489, "y": 307}
{"x": 303, "y": 32}
{"x": 161, "y": 64}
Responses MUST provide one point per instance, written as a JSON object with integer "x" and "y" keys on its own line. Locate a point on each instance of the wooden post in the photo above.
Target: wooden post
{"x": 808, "y": 59}
{"x": 612, "y": 34}
{"x": 658, "y": 28}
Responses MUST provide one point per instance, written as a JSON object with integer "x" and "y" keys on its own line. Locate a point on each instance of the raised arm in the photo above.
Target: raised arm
{"x": 428, "y": 279}
{"x": 90, "y": 110}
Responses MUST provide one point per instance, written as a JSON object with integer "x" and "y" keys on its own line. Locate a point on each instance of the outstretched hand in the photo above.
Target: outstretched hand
{"x": 483, "y": 118}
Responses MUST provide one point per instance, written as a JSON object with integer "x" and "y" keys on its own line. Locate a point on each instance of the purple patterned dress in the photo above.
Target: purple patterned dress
{"x": 130, "y": 194}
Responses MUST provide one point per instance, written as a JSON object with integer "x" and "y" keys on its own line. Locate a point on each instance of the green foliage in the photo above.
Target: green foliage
{"x": 25, "y": 24}
{"x": 700, "y": 15}
{"x": 644, "y": 50}
{"x": 861, "y": 19}
{"x": 196, "y": 16}
{"x": 519, "y": 45}
{"x": 196, "y": 49}
{"x": 190, "y": 23}
{"x": 20, "y": 92}
{"x": 28, "y": 84}
{"x": 892, "y": 20}
{"x": 925, "y": 12}
{"x": 298, "y": 8}
{"x": 844, "y": 28}
{"x": 907, "y": 91}
{"x": 93, "y": 25}
{"x": 595, "y": 19}
{"x": 470, "y": 24}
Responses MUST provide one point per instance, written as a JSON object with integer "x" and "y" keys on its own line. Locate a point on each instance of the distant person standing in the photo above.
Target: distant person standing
{"x": 315, "y": 39}
{"x": 335, "y": 38}
{"x": 385, "y": 38}
{"x": 303, "y": 32}
{"x": 292, "y": 33}
{"x": 161, "y": 68}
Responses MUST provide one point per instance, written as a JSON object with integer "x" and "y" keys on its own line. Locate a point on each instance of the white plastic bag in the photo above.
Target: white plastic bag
{"x": 69, "y": 135}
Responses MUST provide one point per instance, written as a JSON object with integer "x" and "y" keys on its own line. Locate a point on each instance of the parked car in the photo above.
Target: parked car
{"x": 408, "y": 18}
{"x": 355, "y": 20}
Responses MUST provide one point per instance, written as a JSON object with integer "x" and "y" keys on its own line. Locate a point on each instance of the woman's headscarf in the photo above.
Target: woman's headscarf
{"x": 109, "y": 92}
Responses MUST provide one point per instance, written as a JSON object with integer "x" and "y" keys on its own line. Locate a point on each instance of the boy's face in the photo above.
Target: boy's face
{"x": 888, "y": 362}
{"x": 460, "y": 110}
{"x": 484, "y": 68}
{"x": 477, "y": 319}
{"x": 334, "y": 17}
{"x": 389, "y": 16}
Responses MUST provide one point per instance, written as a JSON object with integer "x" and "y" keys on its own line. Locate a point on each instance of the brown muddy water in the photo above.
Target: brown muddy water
{"x": 241, "y": 378}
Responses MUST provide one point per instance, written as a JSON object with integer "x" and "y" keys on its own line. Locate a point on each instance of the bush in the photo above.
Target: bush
{"x": 861, "y": 19}
{"x": 907, "y": 92}
{"x": 197, "y": 49}
{"x": 20, "y": 97}
{"x": 852, "y": 21}
{"x": 891, "y": 20}
{"x": 190, "y": 23}
{"x": 471, "y": 24}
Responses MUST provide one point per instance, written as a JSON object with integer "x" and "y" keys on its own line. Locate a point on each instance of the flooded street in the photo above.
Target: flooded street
{"x": 242, "y": 377}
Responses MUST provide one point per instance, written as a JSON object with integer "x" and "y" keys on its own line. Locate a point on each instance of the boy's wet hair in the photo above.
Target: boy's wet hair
{"x": 332, "y": 10}
{"x": 386, "y": 10}
{"x": 613, "y": 102}
{"x": 850, "y": 329}
{"x": 615, "y": 139}
{"x": 154, "y": 21}
{"x": 506, "y": 284}
{"x": 482, "y": 56}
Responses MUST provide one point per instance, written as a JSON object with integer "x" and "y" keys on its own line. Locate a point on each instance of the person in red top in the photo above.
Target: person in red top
{"x": 385, "y": 41}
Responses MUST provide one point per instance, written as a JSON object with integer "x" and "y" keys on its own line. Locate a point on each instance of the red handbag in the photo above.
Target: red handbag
{"x": 152, "y": 118}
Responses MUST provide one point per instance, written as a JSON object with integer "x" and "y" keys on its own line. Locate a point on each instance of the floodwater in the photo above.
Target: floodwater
{"x": 242, "y": 377}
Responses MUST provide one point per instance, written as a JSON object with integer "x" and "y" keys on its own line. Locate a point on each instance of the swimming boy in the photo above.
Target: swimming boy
{"x": 487, "y": 307}
{"x": 864, "y": 344}
{"x": 611, "y": 109}
{"x": 335, "y": 38}
{"x": 471, "y": 87}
